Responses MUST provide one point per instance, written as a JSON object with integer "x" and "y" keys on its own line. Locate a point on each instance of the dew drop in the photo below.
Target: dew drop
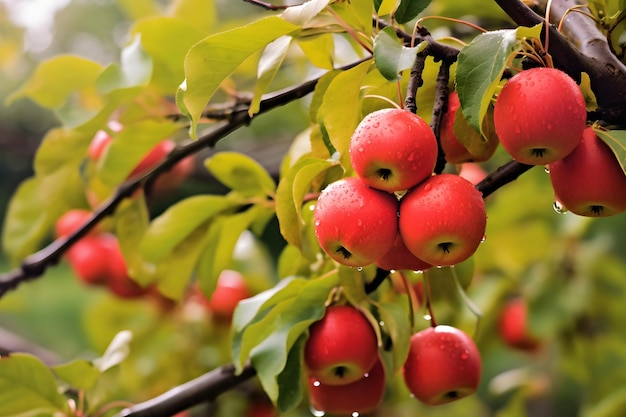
{"x": 392, "y": 271}
{"x": 360, "y": 269}
{"x": 355, "y": 414}
{"x": 317, "y": 413}
{"x": 317, "y": 222}
{"x": 316, "y": 383}
{"x": 427, "y": 317}
{"x": 559, "y": 208}
{"x": 464, "y": 356}
{"x": 546, "y": 169}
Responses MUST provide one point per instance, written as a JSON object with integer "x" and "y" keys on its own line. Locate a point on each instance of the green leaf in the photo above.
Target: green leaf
{"x": 616, "y": 139}
{"x": 131, "y": 222}
{"x": 130, "y": 146}
{"x": 391, "y": 56}
{"x": 357, "y": 14}
{"x": 339, "y": 111}
{"x": 302, "y": 14}
{"x": 241, "y": 173}
{"x": 79, "y": 374}
{"x": 385, "y": 7}
{"x": 272, "y": 58}
{"x": 180, "y": 220}
{"x": 200, "y": 14}
{"x": 481, "y": 65}
{"x": 55, "y": 80}
{"x": 290, "y": 320}
{"x": 251, "y": 310}
{"x": 116, "y": 352}
{"x": 290, "y": 391}
{"x": 168, "y": 52}
{"x": 395, "y": 324}
{"x": 28, "y": 388}
{"x": 218, "y": 250}
{"x": 409, "y": 9}
{"x": 319, "y": 49}
{"x": 212, "y": 60}
{"x": 290, "y": 194}
{"x": 135, "y": 69}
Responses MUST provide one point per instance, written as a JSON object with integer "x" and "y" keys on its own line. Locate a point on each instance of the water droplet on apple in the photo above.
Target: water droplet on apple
{"x": 316, "y": 383}
{"x": 360, "y": 149}
{"x": 546, "y": 169}
{"x": 317, "y": 222}
{"x": 317, "y": 413}
{"x": 427, "y": 317}
{"x": 549, "y": 126}
{"x": 392, "y": 271}
{"x": 464, "y": 356}
{"x": 355, "y": 414}
{"x": 360, "y": 269}
{"x": 483, "y": 239}
{"x": 558, "y": 207}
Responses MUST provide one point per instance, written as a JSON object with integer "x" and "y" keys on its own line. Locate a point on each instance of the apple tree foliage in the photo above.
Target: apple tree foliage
{"x": 189, "y": 73}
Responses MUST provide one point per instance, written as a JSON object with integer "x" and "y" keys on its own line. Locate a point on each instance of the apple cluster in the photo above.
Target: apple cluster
{"x": 395, "y": 212}
{"x": 97, "y": 259}
{"x": 346, "y": 376}
{"x": 230, "y": 289}
{"x": 540, "y": 118}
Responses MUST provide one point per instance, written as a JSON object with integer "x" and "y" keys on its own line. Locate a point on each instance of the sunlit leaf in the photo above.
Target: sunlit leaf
{"x": 240, "y": 173}
{"x": 390, "y": 56}
{"x": 269, "y": 356}
{"x": 80, "y": 373}
{"x": 170, "y": 228}
{"x": 385, "y": 7}
{"x": 290, "y": 194}
{"x": 272, "y": 58}
{"x": 28, "y": 388}
{"x": 616, "y": 139}
{"x": 168, "y": 52}
{"x": 134, "y": 69}
{"x": 55, "y": 80}
{"x": 300, "y": 15}
{"x": 319, "y": 50}
{"x": 212, "y": 60}
{"x": 340, "y": 120}
{"x": 481, "y": 65}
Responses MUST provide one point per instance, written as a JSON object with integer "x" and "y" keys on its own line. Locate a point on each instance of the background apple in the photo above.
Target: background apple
{"x": 443, "y": 365}
{"x": 393, "y": 150}
{"x": 355, "y": 224}
{"x": 230, "y": 289}
{"x": 540, "y": 115}
{"x": 341, "y": 347}
{"x": 513, "y": 326}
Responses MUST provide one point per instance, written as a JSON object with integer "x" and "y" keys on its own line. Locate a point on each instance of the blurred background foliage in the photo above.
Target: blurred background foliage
{"x": 571, "y": 270}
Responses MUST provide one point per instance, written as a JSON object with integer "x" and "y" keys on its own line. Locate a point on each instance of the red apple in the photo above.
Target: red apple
{"x": 540, "y": 115}
{"x": 590, "y": 181}
{"x": 443, "y": 365}
{"x": 400, "y": 257}
{"x": 472, "y": 172}
{"x": 453, "y": 149}
{"x": 513, "y": 326}
{"x": 362, "y": 396}
{"x": 156, "y": 155}
{"x": 355, "y": 224}
{"x": 88, "y": 261}
{"x": 71, "y": 221}
{"x": 443, "y": 220}
{"x": 341, "y": 347}
{"x": 118, "y": 280}
{"x": 393, "y": 150}
{"x": 231, "y": 288}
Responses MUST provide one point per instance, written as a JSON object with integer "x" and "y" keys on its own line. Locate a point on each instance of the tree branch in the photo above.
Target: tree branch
{"x": 204, "y": 388}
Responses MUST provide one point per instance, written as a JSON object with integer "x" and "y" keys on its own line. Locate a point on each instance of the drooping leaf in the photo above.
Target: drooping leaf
{"x": 135, "y": 69}
{"x": 241, "y": 173}
{"x": 301, "y": 15}
{"x": 395, "y": 324}
{"x": 409, "y": 9}
{"x": 80, "y": 374}
{"x": 481, "y": 65}
{"x": 131, "y": 222}
{"x": 391, "y": 56}
{"x": 616, "y": 139}
{"x": 290, "y": 393}
{"x": 55, "y": 80}
{"x": 167, "y": 52}
{"x": 116, "y": 352}
{"x": 28, "y": 388}
{"x": 212, "y": 60}
{"x": 340, "y": 111}
{"x": 319, "y": 49}
{"x": 294, "y": 317}
{"x": 172, "y": 227}
{"x": 218, "y": 250}
{"x": 272, "y": 58}
{"x": 290, "y": 194}
{"x": 197, "y": 13}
